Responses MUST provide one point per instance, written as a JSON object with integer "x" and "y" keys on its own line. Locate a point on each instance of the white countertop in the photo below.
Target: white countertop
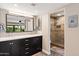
{"x": 14, "y": 36}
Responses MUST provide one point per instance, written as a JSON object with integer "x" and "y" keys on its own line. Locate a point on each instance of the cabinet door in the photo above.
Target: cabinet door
{"x": 5, "y": 48}
{"x": 36, "y": 44}
{"x": 15, "y": 47}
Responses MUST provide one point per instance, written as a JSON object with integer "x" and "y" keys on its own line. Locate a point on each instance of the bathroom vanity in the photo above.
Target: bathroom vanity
{"x": 21, "y": 45}
{"x": 15, "y": 39}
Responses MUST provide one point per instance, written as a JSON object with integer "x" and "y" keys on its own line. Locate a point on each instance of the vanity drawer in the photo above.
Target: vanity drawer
{"x": 26, "y": 51}
{"x": 25, "y": 42}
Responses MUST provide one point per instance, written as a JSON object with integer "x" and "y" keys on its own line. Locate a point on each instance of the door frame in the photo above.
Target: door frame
{"x": 56, "y": 11}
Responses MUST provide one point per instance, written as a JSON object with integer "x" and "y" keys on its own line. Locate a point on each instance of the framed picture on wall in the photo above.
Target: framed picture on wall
{"x": 73, "y": 21}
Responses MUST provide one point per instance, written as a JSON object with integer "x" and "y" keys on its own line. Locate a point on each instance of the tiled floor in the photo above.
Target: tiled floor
{"x": 55, "y": 51}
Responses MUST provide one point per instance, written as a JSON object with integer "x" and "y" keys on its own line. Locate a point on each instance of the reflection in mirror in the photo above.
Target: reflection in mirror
{"x": 15, "y": 23}
{"x": 37, "y": 25}
{"x": 18, "y": 23}
{"x": 30, "y": 25}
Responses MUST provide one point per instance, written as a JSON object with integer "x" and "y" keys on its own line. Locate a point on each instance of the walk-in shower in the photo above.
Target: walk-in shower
{"x": 57, "y": 31}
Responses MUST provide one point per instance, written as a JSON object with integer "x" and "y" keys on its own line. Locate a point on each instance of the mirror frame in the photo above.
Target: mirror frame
{"x": 25, "y": 23}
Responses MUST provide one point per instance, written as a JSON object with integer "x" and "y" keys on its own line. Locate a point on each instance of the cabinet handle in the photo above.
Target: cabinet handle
{"x": 26, "y": 44}
{"x": 26, "y": 48}
{"x": 26, "y": 52}
{"x": 11, "y": 43}
{"x": 26, "y": 40}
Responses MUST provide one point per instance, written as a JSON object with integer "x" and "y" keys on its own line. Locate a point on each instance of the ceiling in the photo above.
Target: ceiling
{"x": 34, "y": 9}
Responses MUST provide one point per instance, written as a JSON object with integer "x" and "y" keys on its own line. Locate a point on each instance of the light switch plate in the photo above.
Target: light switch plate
{"x": 73, "y": 21}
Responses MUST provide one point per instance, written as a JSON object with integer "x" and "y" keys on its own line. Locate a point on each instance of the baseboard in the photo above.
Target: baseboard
{"x": 46, "y": 52}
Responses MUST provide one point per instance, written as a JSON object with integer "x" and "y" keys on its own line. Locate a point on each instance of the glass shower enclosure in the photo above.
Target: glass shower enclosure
{"x": 57, "y": 30}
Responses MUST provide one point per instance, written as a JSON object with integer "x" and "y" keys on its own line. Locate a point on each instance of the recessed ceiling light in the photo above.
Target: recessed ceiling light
{"x": 58, "y": 14}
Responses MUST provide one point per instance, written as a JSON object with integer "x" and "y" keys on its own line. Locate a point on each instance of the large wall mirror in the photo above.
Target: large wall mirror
{"x": 16, "y": 23}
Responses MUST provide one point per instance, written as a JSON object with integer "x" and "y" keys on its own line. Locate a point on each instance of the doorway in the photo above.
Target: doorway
{"x": 57, "y": 33}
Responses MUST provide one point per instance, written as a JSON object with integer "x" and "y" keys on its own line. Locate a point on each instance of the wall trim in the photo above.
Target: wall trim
{"x": 46, "y": 52}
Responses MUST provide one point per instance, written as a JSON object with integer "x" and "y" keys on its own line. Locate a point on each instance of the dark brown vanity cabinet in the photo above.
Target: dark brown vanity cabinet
{"x": 36, "y": 44}
{"x": 31, "y": 46}
{"x": 21, "y": 47}
{"x": 5, "y": 48}
{"x": 9, "y": 48}
{"x": 15, "y": 47}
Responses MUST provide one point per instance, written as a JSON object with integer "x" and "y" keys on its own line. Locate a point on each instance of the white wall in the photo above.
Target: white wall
{"x": 46, "y": 32}
{"x": 71, "y": 34}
